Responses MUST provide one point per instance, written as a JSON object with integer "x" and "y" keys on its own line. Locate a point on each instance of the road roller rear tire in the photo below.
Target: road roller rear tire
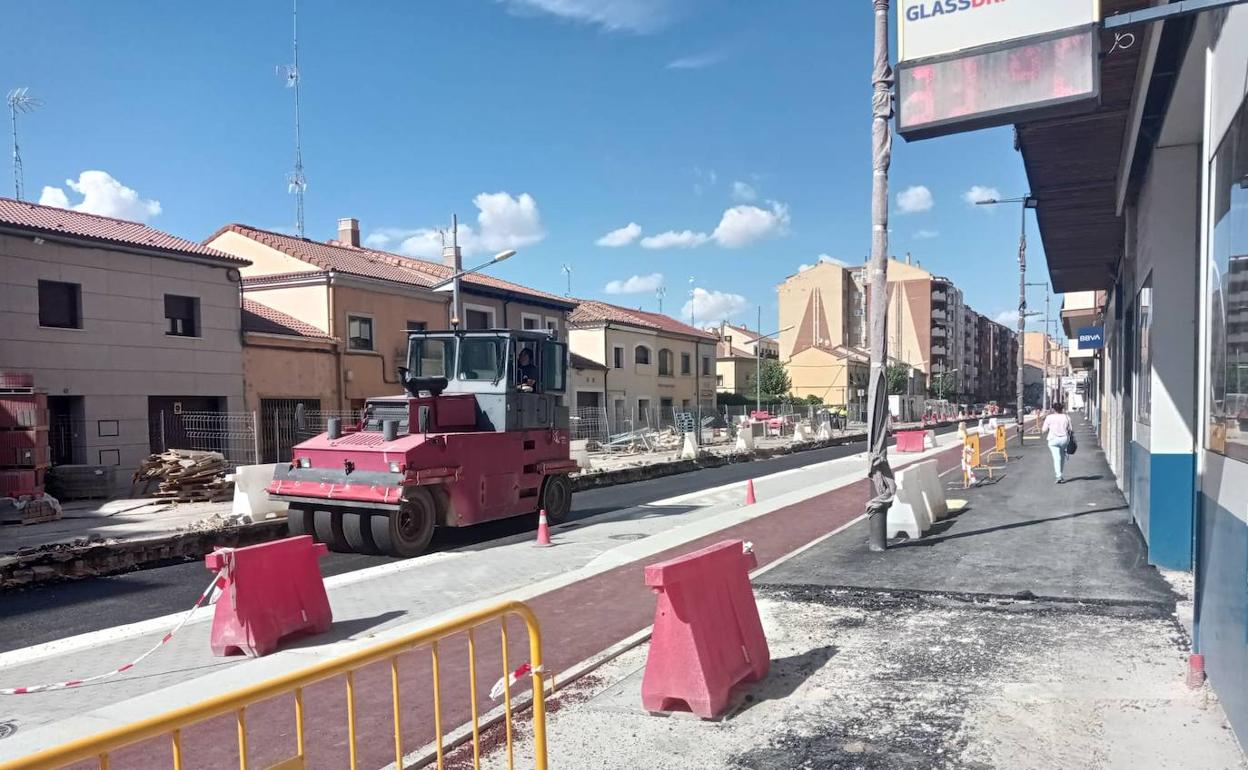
{"x": 357, "y": 529}
{"x": 299, "y": 521}
{"x": 408, "y": 531}
{"x": 328, "y": 526}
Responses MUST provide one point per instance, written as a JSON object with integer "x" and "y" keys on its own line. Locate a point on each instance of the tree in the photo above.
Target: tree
{"x": 775, "y": 381}
{"x": 897, "y": 376}
{"x": 943, "y": 385}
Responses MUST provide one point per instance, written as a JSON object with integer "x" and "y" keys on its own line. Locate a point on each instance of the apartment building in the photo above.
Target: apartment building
{"x": 119, "y": 323}
{"x": 367, "y": 300}
{"x": 654, "y": 363}
{"x": 822, "y": 306}
{"x": 737, "y": 357}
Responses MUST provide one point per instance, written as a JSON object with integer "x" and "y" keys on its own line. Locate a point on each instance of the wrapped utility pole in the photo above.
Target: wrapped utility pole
{"x": 879, "y": 471}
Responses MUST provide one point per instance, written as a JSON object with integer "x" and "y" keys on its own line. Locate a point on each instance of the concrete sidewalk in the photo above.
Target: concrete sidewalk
{"x": 1028, "y": 632}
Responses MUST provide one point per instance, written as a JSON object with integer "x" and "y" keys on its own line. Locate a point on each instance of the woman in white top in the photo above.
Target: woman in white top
{"x": 1057, "y": 429}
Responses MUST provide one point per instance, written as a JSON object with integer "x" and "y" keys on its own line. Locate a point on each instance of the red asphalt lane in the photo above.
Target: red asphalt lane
{"x": 577, "y": 621}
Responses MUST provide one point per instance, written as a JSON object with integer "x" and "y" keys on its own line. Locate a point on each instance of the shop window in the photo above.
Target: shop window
{"x": 1143, "y": 352}
{"x": 1227, "y": 408}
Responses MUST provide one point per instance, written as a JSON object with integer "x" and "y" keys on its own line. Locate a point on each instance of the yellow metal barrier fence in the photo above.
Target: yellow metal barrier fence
{"x": 98, "y": 747}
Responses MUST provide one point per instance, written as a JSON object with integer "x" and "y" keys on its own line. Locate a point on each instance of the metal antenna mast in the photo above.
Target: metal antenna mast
{"x": 297, "y": 183}
{"x": 19, "y": 100}
{"x": 567, "y": 270}
{"x": 659, "y": 294}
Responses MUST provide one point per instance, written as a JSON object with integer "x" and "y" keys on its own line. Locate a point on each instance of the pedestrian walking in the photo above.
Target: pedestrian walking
{"x": 1057, "y": 431}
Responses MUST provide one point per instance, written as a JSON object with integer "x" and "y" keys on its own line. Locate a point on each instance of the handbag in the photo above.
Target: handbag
{"x": 1072, "y": 446}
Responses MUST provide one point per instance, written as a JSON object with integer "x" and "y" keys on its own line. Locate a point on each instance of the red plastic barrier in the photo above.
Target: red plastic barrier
{"x": 910, "y": 440}
{"x": 707, "y": 635}
{"x": 271, "y": 591}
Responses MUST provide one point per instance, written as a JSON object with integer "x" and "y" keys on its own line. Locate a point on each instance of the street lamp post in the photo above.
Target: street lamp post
{"x": 1028, "y": 202}
{"x": 1044, "y": 398}
{"x": 758, "y": 365}
{"x": 883, "y": 482}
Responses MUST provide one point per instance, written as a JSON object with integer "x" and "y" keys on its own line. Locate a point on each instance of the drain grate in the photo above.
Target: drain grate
{"x": 627, "y": 536}
{"x": 7, "y": 729}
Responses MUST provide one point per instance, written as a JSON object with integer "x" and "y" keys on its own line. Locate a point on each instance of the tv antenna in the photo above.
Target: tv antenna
{"x": 297, "y": 183}
{"x": 19, "y": 100}
{"x": 659, "y": 294}
{"x": 567, "y": 271}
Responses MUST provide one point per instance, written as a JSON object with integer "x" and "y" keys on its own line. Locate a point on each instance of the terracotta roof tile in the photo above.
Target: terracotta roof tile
{"x": 592, "y": 311}
{"x": 261, "y": 318}
{"x": 57, "y": 221}
{"x": 373, "y": 263}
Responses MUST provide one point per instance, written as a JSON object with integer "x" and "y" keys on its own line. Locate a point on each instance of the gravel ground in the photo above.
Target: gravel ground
{"x": 868, "y": 679}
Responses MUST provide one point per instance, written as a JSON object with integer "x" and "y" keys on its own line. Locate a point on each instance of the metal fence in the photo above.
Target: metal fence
{"x": 414, "y": 668}
{"x": 233, "y": 434}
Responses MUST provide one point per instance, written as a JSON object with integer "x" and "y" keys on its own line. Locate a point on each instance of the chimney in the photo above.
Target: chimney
{"x": 452, "y": 257}
{"x": 349, "y": 231}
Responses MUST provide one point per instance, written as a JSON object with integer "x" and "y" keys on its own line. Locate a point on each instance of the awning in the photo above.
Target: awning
{"x": 1073, "y": 163}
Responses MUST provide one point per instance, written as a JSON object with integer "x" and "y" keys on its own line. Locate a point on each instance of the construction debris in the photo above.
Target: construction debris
{"x": 185, "y": 476}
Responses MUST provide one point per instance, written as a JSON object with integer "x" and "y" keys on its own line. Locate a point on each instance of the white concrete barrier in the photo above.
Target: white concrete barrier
{"x": 689, "y": 451}
{"x": 909, "y": 512}
{"x": 929, "y": 439}
{"x": 825, "y": 431}
{"x": 250, "y": 499}
{"x": 745, "y": 439}
{"x": 579, "y": 451}
{"x": 800, "y": 433}
{"x": 933, "y": 490}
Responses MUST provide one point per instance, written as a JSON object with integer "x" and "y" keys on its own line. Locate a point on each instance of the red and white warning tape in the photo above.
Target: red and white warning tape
{"x": 504, "y": 684}
{"x": 218, "y": 581}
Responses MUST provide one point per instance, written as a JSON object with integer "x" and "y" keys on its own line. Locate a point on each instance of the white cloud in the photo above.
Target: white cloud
{"x": 53, "y": 196}
{"x": 503, "y": 222}
{"x": 695, "y": 62}
{"x": 915, "y": 199}
{"x": 979, "y": 193}
{"x": 744, "y": 191}
{"x": 742, "y": 225}
{"x": 922, "y": 235}
{"x": 738, "y": 226}
{"x": 621, "y": 237}
{"x": 685, "y": 239}
{"x": 103, "y": 195}
{"x": 638, "y": 16}
{"x": 822, "y": 260}
{"x": 1007, "y": 318}
{"x": 711, "y": 306}
{"x": 638, "y": 284}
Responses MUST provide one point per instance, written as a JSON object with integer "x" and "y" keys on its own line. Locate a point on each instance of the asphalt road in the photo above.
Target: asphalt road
{"x": 48, "y": 612}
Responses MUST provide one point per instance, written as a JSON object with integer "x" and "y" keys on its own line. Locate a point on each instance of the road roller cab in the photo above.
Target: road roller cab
{"x": 480, "y": 434}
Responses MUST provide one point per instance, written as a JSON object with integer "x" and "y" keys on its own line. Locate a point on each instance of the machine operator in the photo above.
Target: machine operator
{"x": 526, "y": 372}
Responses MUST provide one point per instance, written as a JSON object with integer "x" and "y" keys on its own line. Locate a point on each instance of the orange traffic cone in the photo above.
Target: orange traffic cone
{"x": 749, "y": 493}
{"x": 543, "y": 530}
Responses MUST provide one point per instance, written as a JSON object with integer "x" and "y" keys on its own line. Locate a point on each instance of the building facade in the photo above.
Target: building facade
{"x": 655, "y": 364}
{"x": 1157, "y": 226}
{"x": 121, "y": 324}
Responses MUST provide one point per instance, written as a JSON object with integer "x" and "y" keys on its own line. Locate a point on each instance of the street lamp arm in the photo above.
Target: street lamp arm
{"x": 499, "y": 257}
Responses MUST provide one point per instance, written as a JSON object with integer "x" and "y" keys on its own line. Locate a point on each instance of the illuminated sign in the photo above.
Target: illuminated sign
{"x": 1053, "y": 74}
{"x": 929, "y": 28}
{"x": 1091, "y": 337}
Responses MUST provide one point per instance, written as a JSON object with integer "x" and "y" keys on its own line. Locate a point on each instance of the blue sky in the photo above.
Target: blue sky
{"x": 737, "y": 140}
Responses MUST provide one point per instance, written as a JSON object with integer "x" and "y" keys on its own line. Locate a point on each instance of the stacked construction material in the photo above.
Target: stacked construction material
{"x": 186, "y": 476}
{"x": 24, "y": 453}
